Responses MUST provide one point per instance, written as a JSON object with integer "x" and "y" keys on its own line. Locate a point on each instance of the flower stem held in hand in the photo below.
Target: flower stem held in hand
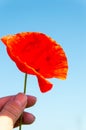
{"x": 25, "y": 83}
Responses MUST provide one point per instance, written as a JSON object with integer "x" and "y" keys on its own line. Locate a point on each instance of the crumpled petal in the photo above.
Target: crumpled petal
{"x": 37, "y": 54}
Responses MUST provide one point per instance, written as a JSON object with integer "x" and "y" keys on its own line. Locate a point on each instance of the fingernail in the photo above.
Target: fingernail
{"x": 32, "y": 118}
{"x": 21, "y": 99}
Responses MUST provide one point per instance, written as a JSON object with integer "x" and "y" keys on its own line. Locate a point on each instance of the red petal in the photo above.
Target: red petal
{"x": 36, "y": 53}
{"x": 44, "y": 84}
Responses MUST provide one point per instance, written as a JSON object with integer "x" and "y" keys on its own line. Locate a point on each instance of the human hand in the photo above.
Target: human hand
{"x": 11, "y": 108}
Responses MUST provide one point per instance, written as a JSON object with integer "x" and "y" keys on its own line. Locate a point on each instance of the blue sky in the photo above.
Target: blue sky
{"x": 64, "y": 107}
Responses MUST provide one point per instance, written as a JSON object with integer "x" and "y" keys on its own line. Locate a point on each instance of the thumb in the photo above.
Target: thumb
{"x": 13, "y": 109}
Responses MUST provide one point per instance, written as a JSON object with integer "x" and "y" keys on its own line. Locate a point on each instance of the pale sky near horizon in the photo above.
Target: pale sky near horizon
{"x": 64, "y": 107}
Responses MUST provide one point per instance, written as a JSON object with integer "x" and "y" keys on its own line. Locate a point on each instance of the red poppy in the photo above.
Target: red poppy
{"x": 37, "y": 54}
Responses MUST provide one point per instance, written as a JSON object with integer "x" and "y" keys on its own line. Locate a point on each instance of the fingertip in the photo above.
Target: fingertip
{"x": 21, "y": 99}
{"x": 31, "y": 100}
{"x": 28, "y": 118}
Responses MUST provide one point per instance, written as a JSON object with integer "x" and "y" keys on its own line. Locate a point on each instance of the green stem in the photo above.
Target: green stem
{"x": 25, "y": 85}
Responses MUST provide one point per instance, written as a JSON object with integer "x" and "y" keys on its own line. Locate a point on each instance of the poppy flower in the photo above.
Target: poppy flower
{"x": 37, "y": 54}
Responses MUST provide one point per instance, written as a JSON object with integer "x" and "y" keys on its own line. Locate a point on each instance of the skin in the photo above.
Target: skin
{"x": 12, "y": 107}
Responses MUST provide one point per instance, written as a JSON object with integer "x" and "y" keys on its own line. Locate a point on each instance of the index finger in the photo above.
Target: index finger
{"x": 31, "y": 100}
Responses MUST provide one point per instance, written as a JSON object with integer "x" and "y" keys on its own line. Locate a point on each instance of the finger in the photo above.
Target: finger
{"x": 31, "y": 100}
{"x": 14, "y": 108}
{"x": 27, "y": 118}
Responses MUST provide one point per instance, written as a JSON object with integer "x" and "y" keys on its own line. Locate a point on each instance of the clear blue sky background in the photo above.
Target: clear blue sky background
{"x": 63, "y": 108}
